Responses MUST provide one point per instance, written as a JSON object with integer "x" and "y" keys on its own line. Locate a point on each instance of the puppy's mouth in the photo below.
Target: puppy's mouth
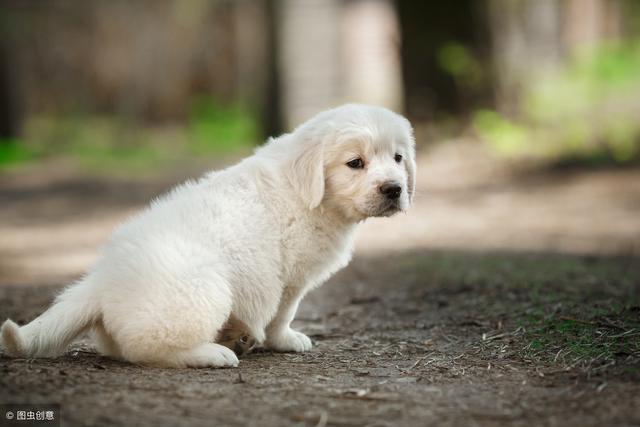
{"x": 379, "y": 207}
{"x": 388, "y": 208}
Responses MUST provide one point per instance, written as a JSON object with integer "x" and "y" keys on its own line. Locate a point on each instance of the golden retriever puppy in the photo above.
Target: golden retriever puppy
{"x": 244, "y": 244}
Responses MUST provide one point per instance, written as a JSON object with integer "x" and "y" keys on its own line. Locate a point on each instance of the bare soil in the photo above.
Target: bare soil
{"x": 502, "y": 299}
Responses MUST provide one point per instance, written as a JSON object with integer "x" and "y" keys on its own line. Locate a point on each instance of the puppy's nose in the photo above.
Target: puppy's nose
{"x": 391, "y": 189}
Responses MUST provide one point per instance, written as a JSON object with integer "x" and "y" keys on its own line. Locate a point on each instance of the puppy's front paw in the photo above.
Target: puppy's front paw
{"x": 289, "y": 340}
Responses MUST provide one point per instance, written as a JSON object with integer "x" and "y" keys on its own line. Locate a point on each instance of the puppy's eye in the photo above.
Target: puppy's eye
{"x": 397, "y": 158}
{"x": 356, "y": 163}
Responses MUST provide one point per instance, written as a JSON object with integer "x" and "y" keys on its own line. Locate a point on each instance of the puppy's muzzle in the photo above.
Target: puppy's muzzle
{"x": 391, "y": 190}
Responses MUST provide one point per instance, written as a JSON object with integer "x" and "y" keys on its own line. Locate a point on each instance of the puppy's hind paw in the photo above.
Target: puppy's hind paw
{"x": 209, "y": 355}
{"x": 289, "y": 341}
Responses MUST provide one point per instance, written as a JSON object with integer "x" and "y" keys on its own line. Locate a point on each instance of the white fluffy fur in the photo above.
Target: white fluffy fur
{"x": 250, "y": 240}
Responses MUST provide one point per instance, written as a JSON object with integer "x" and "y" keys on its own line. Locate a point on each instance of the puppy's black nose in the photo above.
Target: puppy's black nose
{"x": 391, "y": 190}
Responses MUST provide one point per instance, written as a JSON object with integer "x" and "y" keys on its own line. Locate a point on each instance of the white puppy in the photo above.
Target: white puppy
{"x": 249, "y": 241}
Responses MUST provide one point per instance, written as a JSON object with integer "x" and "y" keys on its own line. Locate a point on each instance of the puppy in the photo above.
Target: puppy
{"x": 246, "y": 243}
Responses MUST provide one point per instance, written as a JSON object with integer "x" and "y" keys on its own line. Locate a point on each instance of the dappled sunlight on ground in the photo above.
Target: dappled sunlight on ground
{"x": 53, "y": 220}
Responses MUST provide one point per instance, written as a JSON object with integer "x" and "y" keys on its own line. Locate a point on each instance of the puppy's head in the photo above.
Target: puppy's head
{"x": 358, "y": 160}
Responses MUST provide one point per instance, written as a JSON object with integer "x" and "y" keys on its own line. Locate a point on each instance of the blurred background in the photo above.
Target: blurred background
{"x": 526, "y": 112}
{"x": 550, "y": 78}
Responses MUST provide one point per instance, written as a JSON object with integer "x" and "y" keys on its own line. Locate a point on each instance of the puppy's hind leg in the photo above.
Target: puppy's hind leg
{"x": 204, "y": 356}
{"x": 105, "y": 344}
{"x": 175, "y": 325}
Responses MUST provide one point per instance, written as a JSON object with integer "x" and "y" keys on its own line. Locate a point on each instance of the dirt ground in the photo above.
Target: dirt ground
{"x": 500, "y": 299}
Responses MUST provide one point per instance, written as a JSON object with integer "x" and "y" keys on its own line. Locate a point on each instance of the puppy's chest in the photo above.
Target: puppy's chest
{"x": 311, "y": 253}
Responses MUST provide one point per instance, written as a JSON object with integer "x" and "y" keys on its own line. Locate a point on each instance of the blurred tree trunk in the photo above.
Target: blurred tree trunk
{"x": 250, "y": 46}
{"x": 334, "y": 51}
{"x": 372, "y": 69}
{"x": 309, "y": 60}
{"x": 590, "y": 21}
{"x": 526, "y": 41}
{"x": 533, "y": 37}
{"x": 272, "y": 121}
{"x": 9, "y": 117}
{"x": 252, "y": 42}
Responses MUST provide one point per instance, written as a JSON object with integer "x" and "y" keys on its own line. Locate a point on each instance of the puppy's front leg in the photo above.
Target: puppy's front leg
{"x": 280, "y": 336}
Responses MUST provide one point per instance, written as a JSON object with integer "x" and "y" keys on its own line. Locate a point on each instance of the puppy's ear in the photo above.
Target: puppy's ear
{"x": 410, "y": 165}
{"x": 306, "y": 171}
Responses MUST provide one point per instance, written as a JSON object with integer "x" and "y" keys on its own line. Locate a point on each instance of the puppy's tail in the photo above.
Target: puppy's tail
{"x": 51, "y": 333}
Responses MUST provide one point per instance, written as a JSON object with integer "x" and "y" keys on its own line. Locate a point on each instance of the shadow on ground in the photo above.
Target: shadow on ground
{"x": 412, "y": 338}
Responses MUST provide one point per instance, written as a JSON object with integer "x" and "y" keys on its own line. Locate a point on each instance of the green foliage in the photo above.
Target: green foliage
{"x": 556, "y": 309}
{"x": 503, "y": 136}
{"x": 96, "y": 142}
{"x": 586, "y": 110}
{"x": 456, "y": 60}
{"x": 13, "y": 152}
{"x": 213, "y": 127}
{"x": 105, "y": 143}
{"x": 590, "y": 335}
